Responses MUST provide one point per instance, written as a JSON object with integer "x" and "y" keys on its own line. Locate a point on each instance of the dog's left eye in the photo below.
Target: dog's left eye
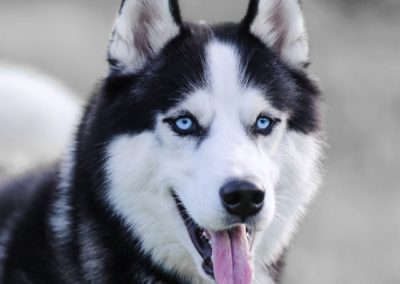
{"x": 184, "y": 123}
{"x": 264, "y": 125}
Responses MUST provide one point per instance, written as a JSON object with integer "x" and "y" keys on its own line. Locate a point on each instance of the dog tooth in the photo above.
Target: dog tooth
{"x": 206, "y": 235}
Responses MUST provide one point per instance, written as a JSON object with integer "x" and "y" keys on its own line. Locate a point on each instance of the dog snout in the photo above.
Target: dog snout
{"x": 242, "y": 198}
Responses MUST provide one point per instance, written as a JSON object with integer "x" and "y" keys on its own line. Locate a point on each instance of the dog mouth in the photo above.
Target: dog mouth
{"x": 226, "y": 254}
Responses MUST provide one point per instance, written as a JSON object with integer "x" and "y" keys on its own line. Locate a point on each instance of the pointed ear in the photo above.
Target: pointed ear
{"x": 141, "y": 30}
{"x": 280, "y": 25}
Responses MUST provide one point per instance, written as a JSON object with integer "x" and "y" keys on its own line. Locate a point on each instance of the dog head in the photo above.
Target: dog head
{"x": 211, "y": 135}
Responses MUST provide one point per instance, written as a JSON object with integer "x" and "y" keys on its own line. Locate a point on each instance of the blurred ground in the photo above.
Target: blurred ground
{"x": 352, "y": 233}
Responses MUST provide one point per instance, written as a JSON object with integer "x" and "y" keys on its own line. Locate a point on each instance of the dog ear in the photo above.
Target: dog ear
{"x": 280, "y": 25}
{"x": 141, "y": 30}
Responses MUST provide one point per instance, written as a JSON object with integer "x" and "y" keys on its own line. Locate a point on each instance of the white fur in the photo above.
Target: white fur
{"x": 298, "y": 156}
{"x": 35, "y": 106}
{"x": 135, "y": 177}
{"x": 290, "y": 28}
{"x": 142, "y": 170}
{"x": 129, "y": 23}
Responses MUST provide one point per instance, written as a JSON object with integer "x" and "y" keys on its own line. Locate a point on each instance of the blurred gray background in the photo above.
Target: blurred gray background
{"x": 353, "y": 232}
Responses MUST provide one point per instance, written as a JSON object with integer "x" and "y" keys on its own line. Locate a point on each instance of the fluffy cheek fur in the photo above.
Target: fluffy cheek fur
{"x": 141, "y": 173}
{"x": 138, "y": 194}
{"x": 299, "y": 157}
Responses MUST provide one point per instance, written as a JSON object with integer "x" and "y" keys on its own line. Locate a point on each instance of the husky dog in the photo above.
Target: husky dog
{"x": 193, "y": 163}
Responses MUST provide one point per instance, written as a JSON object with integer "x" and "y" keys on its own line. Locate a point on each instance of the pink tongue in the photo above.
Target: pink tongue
{"x": 231, "y": 256}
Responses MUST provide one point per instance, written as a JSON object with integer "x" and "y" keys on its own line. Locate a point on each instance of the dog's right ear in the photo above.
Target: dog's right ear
{"x": 280, "y": 25}
{"x": 141, "y": 30}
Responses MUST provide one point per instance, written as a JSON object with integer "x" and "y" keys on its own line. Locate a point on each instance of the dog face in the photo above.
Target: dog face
{"x": 211, "y": 136}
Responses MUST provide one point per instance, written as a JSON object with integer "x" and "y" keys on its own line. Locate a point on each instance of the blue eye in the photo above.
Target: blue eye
{"x": 184, "y": 123}
{"x": 263, "y": 123}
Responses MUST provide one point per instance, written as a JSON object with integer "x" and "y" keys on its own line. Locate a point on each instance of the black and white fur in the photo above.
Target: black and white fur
{"x": 107, "y": 214}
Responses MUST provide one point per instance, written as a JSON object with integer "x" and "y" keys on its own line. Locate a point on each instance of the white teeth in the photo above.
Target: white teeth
{"x": 206, "y": 235}
{"x": 251, "y": 237}
{"x": 248, "y": 233}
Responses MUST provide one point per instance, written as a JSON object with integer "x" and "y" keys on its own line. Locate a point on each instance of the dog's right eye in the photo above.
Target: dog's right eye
{"x": 185, "y": 125}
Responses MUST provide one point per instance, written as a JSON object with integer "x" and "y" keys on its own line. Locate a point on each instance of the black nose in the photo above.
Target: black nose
{"x": 242, "y": 198}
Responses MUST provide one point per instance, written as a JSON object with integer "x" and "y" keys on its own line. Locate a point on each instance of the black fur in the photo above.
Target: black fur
{"x": 126, "y": 103}
{"x": 251, "y": 13}
{"x": 276, "y": 268}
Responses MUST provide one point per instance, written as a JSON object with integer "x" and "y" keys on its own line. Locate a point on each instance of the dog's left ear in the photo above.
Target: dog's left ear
{"x": 141, "y": 30}
{"x": 280, "y": 25}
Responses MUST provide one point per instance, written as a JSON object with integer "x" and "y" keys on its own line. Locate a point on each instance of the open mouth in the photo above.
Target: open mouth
{"x": 226, "y": 254}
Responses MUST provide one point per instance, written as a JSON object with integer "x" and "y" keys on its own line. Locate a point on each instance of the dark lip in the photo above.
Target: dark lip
{"x": 197, "y": 235}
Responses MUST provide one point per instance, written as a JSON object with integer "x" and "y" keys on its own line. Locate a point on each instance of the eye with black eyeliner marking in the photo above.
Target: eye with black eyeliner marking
{"x": 185, "y": 125}
{"x": 264, "y": 125}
